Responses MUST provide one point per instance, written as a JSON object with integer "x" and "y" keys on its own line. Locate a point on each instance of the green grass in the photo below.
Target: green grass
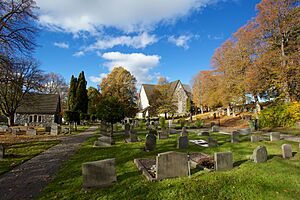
{"x": 285, "y": 130}
{"x": 16, "y": 154}
{"x": 275, "y": 179}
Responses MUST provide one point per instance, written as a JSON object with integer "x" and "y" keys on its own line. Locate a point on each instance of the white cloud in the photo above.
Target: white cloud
{"x": 138, "y": 64}
{"x": 181, "y": 41}
{"x": 139, "y": 41}
{"x": 79, "y": 54}
{"x": 62, "y": 45}
{"x": 215, "y": 37}
{"x": 97, "y": 79}
{"x": 126, "y": 15}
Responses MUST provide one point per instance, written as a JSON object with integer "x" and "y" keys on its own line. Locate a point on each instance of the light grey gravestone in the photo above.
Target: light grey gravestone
{"x": 182, "y": 142}
{"x": 274, "y": 136}
{"x": 184, "y": 132}
{"x": 99, "y": 173}
{"x": 127, "y": 129}
{"x": 215, "y": 128}
{"x": 55, "y": 129}
{"x": 133, "y": 137}
{"x": 104, "y": 141}
{"x": 255, "y": 138}
{"x": 150, "y": 143}
{"x": 245, "y": 131}
{"x": 212, "y": 142}
{"x": 298, "y": 125}
{"x": 171, "y": 164}
{"x": 2, "y": 152}
{"x": 163, "y": 134}
{"x": 235, "y": 137}
{"x": 223, "y": 161}
{"x": 260, "y": 154}
{"x": 31, "y": 132}
{"x": 287, "y": 151}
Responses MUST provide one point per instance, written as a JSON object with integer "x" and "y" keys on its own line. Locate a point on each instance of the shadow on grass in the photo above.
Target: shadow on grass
{"x": 238, "y": 163}
{"x": 11, "y": 155}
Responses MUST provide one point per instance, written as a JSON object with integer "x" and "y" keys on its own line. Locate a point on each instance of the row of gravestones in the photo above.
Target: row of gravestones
{"x": 54, "y": 129}
{"x": 168, "y": 165}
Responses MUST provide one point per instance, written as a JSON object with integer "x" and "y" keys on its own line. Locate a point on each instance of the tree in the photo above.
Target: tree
{"x": 94, "y": 97}
{"x": 72, "y": 104}
{"x": 121, "y": 84}
{"x": 55, "y": 84}
{"x": 72, "y": 117}
{"x": 161, "y": 99}
{"x": 110, "y": 110}
{"x": 17, "y": 30}
{"x": 19, "y": 78}
{"x": 279, "y": 26}
{"x": 81, "y": 95}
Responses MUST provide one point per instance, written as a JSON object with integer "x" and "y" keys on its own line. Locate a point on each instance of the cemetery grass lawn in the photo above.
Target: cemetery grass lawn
{"x": 18, "y": 153}
{"x": 275, "y": 179}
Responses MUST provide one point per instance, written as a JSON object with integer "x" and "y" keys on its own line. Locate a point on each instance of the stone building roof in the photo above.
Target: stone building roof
{"x": 40, "y": 104}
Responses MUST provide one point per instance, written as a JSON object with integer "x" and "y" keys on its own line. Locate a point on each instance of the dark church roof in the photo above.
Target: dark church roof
{"x": 40, "y": 104}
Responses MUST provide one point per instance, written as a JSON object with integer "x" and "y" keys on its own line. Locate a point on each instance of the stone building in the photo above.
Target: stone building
{"x": 180, "y": 92}
{"x": 39, "y": 110}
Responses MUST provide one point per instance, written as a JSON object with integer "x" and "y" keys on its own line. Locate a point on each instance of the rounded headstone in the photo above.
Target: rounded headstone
{"x": 260, "y": 154}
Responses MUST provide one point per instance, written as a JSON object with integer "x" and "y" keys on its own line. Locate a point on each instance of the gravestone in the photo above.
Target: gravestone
{"x": 260, "y": 154}
{"x": 182, "y": 142}
{"x": 287, "y": 151}
{"x": 55, "y": 129}
{"x": 14, "y": 131}
{"x": 255, "y": 138}
{"x": 235, "y": 137}
{"x": 171, "y": 164}
{"x": 31, "y": 132}
{"x": 2, "y": 152}
{"x": 298, "y": 125}
{"x": 170, "y": 124}
{"x": 184, "y": 132}
{"x": 99, "y": 173}
{"x": 205, "y": 133}
{"x": 223, "y": 161}
{"x": 215, "y": 128}
{"x": 274, "y": 136}
{"x": 3, "y": 128}
{"x": 48, "y": 129}
{"x": 104, "y": 141}
{"x": 150, "y": 143}
{"x": 163, "y": 134}
{"x": 244, "y": 131}
{"x": 212, "y": 142}
{"x": 172, "y": 131}
{"x": 133, "y": 137}
{"x": 127, "y": 129}
{"x": 9, "y": 130}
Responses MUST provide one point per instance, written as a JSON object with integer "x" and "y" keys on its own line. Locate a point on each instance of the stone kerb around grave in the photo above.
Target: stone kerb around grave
{"x": 171, "y": 164}
{"x": 100, "y": 173}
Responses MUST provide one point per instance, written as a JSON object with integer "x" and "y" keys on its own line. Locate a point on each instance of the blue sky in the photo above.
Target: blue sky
{"x": 150, "y": 38}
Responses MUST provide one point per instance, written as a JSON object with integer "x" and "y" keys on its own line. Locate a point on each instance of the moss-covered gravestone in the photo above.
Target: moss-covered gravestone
{"x": 260, "y": 154}
{"x": 223, "y": 161}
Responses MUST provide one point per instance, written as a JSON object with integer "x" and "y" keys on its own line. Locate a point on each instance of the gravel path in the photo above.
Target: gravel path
{"x": 27, "y": 180}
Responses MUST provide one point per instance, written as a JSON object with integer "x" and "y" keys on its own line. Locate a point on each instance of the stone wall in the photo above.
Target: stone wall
{"x": 181, "y": 98}
{"x": 34, "y": 120}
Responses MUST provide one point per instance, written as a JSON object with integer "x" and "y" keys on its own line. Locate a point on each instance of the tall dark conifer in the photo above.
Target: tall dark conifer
{"x": 81, "y": 95}
{"x": 72, "y": 101}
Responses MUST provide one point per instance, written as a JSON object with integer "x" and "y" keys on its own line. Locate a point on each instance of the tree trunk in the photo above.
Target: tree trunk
{"x": 201, "y": 108}
{"x": 11, "y": 120}
{"x": 165, "y": 115}
{"x": 70, "y": 125}
{"x": 228, "y": 110}
{"x": 285, "y": 87}
{"x": 257, "y": 105}
{"x": 75, "y": 126}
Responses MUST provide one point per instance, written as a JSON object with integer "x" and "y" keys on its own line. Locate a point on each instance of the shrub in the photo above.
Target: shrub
{"x": 199, "y": 123}
{"x": 162, "y": 122}
{"x": 284, "y": 115}
{"x": 182, "y": 122}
